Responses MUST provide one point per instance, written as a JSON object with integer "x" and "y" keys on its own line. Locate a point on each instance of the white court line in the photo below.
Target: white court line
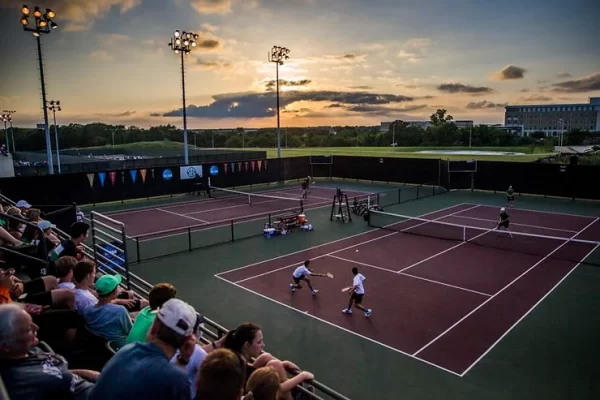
{"x": 326, "y": 244}
{"x": 181, "y": 203}
{"x": 442, "y": 252}
{"x": 540, "y": 211}
{"x": 337, "y": 326}
{"x": 500, "y": 291}
{"x": 528, "y": 312}
{"x": 514, "y": 223}
{"x": 182, "y": 216}
{"x": 413, "y": 276}
{"x": 217, "y": 224}
{"x": 345, "y": 248}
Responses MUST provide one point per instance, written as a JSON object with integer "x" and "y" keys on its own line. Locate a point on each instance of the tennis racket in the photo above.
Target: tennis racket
{"x": 347, "y": 288}
{"x": 328, "y": 275}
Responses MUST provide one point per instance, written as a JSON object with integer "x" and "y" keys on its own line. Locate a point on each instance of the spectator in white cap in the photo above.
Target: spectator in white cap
{"x": 23, "y": 205}
{"x": 143, "y": 370}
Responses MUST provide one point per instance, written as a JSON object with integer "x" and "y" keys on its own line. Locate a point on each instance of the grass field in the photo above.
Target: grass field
{"x": 532, "y": 153}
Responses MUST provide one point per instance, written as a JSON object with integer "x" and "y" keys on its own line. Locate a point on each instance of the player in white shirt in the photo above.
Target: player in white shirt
{"x": 300, "y": 274}
{"x": 356, "y": 294}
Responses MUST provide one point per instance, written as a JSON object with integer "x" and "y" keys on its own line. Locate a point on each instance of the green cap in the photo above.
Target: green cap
{"x": 107, "y": 283}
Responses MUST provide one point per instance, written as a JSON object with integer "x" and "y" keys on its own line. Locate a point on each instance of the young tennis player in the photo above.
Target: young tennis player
{"x": 504, "y": 221}
{"x": 510, "y": 197}
{"x": 356, "y": 294}
{"x": 301, "y": 273}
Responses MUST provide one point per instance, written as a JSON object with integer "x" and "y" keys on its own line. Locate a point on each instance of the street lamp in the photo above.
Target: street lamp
{"x": 12, "y": 131}
{"x": 43, "y": 23}
{"x": 277, "y": 55}
{"x": 562, "y": 132}
{"x": 183, "y": 43}
{"x": 54, "y": 106}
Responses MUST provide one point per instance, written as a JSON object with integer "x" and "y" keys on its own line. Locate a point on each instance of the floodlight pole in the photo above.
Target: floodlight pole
{"x": 46, "y": 126}
{"x": 277, "y": 55}
{"x": 55, "y": 106}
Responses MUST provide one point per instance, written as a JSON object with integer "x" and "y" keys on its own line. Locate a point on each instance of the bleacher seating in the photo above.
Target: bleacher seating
{"x": 87, "y": 350}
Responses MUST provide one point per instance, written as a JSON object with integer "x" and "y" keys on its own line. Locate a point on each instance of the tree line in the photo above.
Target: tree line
{"x": 441, "y": 132}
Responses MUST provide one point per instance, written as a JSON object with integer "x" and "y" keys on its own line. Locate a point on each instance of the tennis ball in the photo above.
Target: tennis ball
{"x": 357, "y": 250}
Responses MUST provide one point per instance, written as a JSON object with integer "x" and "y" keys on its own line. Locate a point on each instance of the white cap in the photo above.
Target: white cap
{"x": 43, "y": 225}
{"x": 179, "y": 316}
{"x": 503, "y": 209}
{"x": 23, "y": 204}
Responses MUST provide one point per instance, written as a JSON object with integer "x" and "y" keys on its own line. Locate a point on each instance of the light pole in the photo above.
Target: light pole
{"x": 12, "y": 131}
{"x": 44, "y": 23}
{"x": 562, "y": 132}
{"x": 5, "y": 118}
{"x": 183, "y": 43}
{"x": 54, "y": 106}
{"x": 277, "y": 55}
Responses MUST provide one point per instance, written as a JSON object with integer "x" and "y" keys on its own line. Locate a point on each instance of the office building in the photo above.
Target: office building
{"x": 552, "y": 119}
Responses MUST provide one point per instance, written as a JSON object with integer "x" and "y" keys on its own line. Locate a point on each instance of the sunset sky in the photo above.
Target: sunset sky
{"x": 353, "y": 62}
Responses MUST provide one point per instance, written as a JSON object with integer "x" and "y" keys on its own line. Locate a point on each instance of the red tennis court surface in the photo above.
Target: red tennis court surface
{"x": 443, "y": 302}
{"x": 203, "y": 213}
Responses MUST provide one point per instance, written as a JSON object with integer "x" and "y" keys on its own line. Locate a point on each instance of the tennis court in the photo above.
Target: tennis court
{"x": 227, "y": 205}
{"x": 443, "y": 287}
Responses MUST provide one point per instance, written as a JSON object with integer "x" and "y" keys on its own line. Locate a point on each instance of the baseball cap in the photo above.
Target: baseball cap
{"x": 43, "y": 225}
{"x": 179, "y": 316}
{"x": 107, "y": 283}
{"x": 23, "y": 204}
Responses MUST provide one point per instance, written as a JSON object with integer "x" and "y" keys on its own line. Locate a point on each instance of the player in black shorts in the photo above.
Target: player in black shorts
{"x": 504, "y": 221}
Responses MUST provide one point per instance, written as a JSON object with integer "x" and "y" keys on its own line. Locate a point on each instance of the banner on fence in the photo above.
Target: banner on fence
{"x": 190, "y": 171}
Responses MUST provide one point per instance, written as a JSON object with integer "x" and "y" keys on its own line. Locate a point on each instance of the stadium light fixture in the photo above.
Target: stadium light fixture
{"x": 54, "y": 106}
{"x": 182, "y": 43}
{"x": 42, "y": 23}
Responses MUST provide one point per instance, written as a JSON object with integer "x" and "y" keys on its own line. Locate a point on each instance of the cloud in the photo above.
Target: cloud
{"x": 524, "y": 90}
{"x": 203, "y": 64}
{"x": 510, "y": 72}
{"x": 209, "y": 27}
{"x": 347, "y": 58}
{"x": 212, "y": 6}
{"x": 361, "y": 87}
{"x": 262, "y": 105}
{"x": 535, "y": 98}
{"x": 563, "y": 75}
{"x": 271, "y": 85}
{"x": 587, "y": 84}
{"x": 81, "y": 14}
{"x": 100, "y": 55}
{"x": 126, "y": 114}
{"x": 461, "y": 88}
{"x": 414, "y": 50}
{"x": 409, "y": 85}
{"x": 482, "y": 105}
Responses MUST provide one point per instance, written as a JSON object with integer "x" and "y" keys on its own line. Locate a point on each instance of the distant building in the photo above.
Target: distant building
{"x": 385, "y": 126}
{"x": 552, "y": 119}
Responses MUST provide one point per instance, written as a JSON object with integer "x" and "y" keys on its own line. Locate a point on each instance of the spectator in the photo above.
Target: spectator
{"x": 263, "y": 384}
{"x": 8, "y": 239}
{"x": 107, "y": 320}
{"x": 42, "y": 291}
{"x": 159, "y": 295}
{"x": 29, "y": 373}
{"x": 23, "y": 206}
{"x": 52, "y": 239}
{"x": 33, "y": 214}
{"x": 64, "y": 272}
{"x": 221, "y": 376}
{"x": 143, "y": 370}
{"x": 247, "y": 341}
{"x": 74, "y": 246}
{"x": 84, "y": 273}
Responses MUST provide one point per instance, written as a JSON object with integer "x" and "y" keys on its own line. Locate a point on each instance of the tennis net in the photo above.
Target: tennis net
{"x": 263, "y": 201}
{"x": 568, "y": 248}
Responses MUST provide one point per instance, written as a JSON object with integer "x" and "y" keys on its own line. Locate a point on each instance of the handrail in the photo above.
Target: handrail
{"x": 42, "y": 242}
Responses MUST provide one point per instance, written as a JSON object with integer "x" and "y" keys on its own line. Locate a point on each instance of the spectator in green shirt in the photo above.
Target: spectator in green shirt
{"x": 159, "y": 295}
{"x": 510, "y": 196}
